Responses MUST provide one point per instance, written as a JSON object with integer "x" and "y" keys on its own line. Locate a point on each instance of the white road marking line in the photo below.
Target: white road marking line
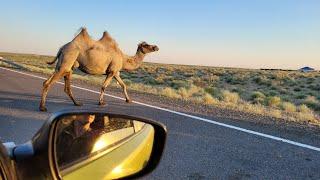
{"x": 190, "y": 116}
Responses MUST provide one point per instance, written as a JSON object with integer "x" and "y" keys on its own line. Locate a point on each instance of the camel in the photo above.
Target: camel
{"x": 102, "y": 57}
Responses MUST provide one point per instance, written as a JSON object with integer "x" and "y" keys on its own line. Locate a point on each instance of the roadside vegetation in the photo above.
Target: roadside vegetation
{"x": 287, "y": 95}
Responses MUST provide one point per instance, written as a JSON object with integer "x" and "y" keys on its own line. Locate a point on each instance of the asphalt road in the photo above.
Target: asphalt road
{"x": 195, "y": 149}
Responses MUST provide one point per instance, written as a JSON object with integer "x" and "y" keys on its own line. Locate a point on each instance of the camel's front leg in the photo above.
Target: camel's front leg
{"x": 124, "y": 87}
{"x": 104, "y": 86}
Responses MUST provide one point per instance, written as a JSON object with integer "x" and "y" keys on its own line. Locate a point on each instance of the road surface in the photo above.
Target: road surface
{"x": 198, "y": 147}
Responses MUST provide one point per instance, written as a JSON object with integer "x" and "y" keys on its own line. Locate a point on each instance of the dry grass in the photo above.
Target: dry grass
{"x": 289, "y": 95}
{"x": 230, "y": 97}
{"x": 289, "y": 107}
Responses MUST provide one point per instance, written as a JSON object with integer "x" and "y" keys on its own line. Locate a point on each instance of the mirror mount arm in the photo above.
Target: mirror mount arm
{"x": 23, "y": 151}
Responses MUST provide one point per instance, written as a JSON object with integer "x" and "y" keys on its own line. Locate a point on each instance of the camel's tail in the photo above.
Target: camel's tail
{"x": 55, "y": 59}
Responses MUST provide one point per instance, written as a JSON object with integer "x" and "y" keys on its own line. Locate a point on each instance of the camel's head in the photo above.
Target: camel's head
{"x": 147, "y": 48}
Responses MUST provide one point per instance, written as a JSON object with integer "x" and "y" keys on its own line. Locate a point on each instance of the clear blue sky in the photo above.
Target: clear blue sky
{"x": 233, "y": 33}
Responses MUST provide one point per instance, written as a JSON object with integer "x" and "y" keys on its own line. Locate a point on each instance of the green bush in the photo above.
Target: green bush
{"x": 300, "y": 96}
{"x": 297, "y": 89}
{"x": 311, "y": 102}
{"x": 176, "y": 84}
{"x": 258, "y": 97}
{"x": 212, "y": 91}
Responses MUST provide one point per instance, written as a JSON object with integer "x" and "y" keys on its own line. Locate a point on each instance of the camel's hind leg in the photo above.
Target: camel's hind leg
{"x": 67, "y": 88}
{"x": 124, "y": 87}
{"x": 46, "y": 85}
{"x": 63, "y": 66}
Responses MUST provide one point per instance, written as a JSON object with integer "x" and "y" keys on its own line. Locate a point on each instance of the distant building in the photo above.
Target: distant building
{"x": 306, "y": 69}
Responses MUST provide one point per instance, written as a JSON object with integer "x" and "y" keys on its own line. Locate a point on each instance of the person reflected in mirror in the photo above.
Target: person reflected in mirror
{"x": 82, "y": 125}
{"x": 76, "y": 139}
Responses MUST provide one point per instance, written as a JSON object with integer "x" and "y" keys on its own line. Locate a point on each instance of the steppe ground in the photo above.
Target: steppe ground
{"x": 278, "y": 94}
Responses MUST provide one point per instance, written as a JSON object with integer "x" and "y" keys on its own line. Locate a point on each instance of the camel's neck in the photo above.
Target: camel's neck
{"x": 133, "y": 62}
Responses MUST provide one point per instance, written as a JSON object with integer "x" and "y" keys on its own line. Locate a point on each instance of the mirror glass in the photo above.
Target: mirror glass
{"x": 94, "y": 146}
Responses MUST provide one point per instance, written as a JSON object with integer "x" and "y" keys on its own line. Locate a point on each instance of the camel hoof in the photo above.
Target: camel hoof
{"x": 43, "y": 109}
{"x": 78, "y": 104}
{"x": 102, "y": 103}
{"x": 128, "y": 100}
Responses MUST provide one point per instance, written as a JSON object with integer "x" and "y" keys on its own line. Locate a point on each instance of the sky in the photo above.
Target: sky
{"x": 225, "y": 33}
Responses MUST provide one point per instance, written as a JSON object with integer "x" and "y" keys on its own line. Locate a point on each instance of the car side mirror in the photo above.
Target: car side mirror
{"x": 105, "y": 146}
{"x": 90, "y": 144}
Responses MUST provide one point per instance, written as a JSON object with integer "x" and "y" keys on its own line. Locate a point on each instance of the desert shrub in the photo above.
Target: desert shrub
{"x": 315, "y": 87}
{"x": 230, "y": 97}
{"x": 176, "y": 84}
{"x": 300, "y": 96}
{"x": 133, "y": 75}
{"x": 144, "y": 88}
{"x": 312, "y": 93}
{"x": 235, "y": 79}
{"x": 258, "y": 97}
{"x": 279, "y": 75}
{"x": 297, "y": 89}
{"x": 252, "y": 108}
{"x": 183, "y": 93}
{"x": 208, "y": 99}
{"x": 262, "y": 80}
{"x": 127, "y": 82}
{"x": 199, "y": 82}
{"x": 195, "y": 90}
{"x": 289, "y": 107}
{"x": 310, "y": 80}
{"x": 289, "y": 81}
{"x": 150, "y": 81}
{"x": 188, "y": 74}
{"x": 274, "y": 87}
{"x": 273, "y": 101}
{"x": 303, "y": 108}
{"x": 169, "y": 92}
{"x": 211, "y": 79}
{"x": 307, "y": 117}
{"x": 311, "y": 102}
{"x": 283, "y": 91}
{"x": 272, "y": 93}
{"x": 212, "y": 91}
{"x": 192, "y": 91}
{"x": 276, "y": 113}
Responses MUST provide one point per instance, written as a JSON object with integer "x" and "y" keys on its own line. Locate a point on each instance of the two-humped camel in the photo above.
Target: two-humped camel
{"x": 102, "y": 57}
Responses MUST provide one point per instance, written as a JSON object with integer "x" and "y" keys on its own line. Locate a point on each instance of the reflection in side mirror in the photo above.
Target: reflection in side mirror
{"x": 100, "y": 146}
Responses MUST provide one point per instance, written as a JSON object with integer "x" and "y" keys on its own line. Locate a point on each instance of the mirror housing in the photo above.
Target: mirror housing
{"x": 43, "y": 152}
